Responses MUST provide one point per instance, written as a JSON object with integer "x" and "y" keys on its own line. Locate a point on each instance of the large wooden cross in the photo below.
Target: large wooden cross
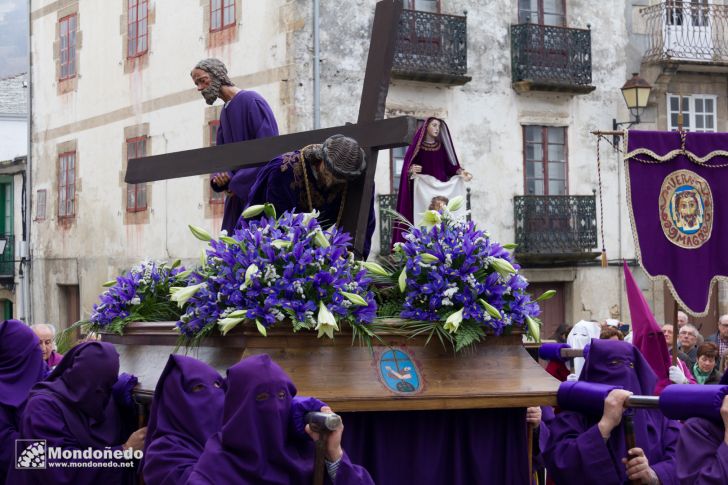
{"x": 371, "y": 131}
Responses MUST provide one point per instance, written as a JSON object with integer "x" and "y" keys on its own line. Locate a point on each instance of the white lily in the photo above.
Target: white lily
{"x": 228, "y": 240}
{"x": 503, "y": 267}
{"x": 431, "y": 218}
{"x": 429, "y": 258}
{"x": 280, "y": 244}
{"x": 455, "y": 203}
{"x": 354, "y": 298}
{"x": 402, "y": 280}
{"x": 320, "y": 239}
{"x": 252, "y": 269}
{"x": 375, "y": 269}
{"x": 253, "y": 210}
{"x": 546, "y": 295}
{"x": 181, "y": 294}
{"x": 453, "y": 321}
{"x": 534, "y": 328}
{"x": 326, "y": 322}
{"x": 492, "y": 311}
{"x": 200, "y": 233}
{"x": 261, "y": 328}
{"x": 307, "y": 216}
{"x": 228, "y": 323}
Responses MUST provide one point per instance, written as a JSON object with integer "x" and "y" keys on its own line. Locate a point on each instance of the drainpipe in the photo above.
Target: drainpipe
{"x": 24, "y": 244}
{"x": 316, "y": 68}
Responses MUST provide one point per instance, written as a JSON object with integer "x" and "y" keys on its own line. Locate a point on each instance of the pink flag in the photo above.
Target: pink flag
{"x": 646, "y": 333}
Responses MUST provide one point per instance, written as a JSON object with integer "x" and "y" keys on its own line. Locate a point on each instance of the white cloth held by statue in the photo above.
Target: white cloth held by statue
{"x": 426, "y": 187}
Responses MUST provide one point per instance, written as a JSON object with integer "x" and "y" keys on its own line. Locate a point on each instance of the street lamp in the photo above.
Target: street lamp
{"x": 636, "y": 92}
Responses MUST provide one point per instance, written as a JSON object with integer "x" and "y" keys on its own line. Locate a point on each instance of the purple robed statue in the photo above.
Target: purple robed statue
{"x": 186, "y": 411}
{"x": 257, "y": 444}
{"x": 578, "y": 453}
{"x": 247, "y": 116}
{"x": 314, "y": 178}
{"x": 430, "y": 153}
{"x": 73, "y": 410}
{"x": 21, "y": 366}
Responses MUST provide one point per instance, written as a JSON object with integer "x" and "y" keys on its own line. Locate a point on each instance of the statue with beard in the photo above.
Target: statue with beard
{"x": 245, "y": 116}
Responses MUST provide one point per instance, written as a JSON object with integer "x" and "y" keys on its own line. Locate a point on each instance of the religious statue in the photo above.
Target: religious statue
{"x": 431, "y": 168}
{"x": 316, "y": 177}
{"x": 245, "y": 116}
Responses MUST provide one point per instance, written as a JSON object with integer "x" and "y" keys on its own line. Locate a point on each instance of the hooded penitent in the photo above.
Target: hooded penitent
{"x": 186, "y": 411}
{"x": 21, "y": 366}
{"x": 580, "y": 336}
{"x": 576, "y": 451}
{"x": 256, "y": 444}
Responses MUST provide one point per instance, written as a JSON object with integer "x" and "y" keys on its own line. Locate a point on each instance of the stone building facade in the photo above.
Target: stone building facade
{"x": 521, "y": 84}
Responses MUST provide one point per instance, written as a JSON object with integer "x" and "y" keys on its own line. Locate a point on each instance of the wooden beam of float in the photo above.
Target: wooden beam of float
{"x": 353, "y": 378}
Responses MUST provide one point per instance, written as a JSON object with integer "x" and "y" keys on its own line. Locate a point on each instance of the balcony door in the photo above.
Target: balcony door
{"x": 423, "y": 31}
{"x": 688, "y": 30}
{"x": 546, "y": 45}
{"x": 542, "y": 12}
{"x": 545, "y": 176}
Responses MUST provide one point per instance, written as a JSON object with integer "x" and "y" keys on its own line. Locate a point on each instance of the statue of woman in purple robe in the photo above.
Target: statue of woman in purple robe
{"x": 257, "y": 443}
{"x": 592, "y": 448}
{"x": 430, "y": 153}
{"x": 186, "y": 411}
{"x": 21, "y": 366}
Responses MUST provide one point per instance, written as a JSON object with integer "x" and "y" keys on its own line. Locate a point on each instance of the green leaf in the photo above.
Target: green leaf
{"x": 467, "y": 335}
{"x": 403, "y": 280}
{"x": 228, "y": 240}
{"x": 176, "y": 263}
{"x": 270, "y": 211}
{"x": 510, "y": 246}
{"x": 109, "y": 284}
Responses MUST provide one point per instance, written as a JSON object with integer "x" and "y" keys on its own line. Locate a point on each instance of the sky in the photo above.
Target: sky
{"x": 13, "y": 37}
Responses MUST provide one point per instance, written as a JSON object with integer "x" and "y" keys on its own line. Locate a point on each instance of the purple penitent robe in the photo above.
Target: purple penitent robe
{"x": 576, "y": 453}
{"x": 21, "y": 366}
{"x": 281, "y": 183}
{"x": 256, "y": 444}
{"x": 245, "y": 117}
{"x": 73, "y": 410}
{"x": 186, "y": 411}
{"x": 703, "y": 453}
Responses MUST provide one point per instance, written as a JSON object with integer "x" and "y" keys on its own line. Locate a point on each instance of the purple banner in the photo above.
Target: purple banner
{"x": 676, "y": 190}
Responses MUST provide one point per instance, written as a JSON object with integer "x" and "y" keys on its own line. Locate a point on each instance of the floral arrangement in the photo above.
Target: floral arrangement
{"x": 272, "y": 269}
{"x": 140, "y": 295}
{"x": 457, "y": 283}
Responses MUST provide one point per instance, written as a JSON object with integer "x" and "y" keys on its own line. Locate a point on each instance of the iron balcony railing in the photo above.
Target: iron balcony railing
{"x": 7, "y": 258}
{"x": 555, "y": 224}
{"x": 549, "y": 55}
{"x": 692, "y": 31}
{"x": 430, "y": 45}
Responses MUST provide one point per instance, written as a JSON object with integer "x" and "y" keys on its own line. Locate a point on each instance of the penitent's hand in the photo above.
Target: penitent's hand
{"x": 332, "y": 440}
{"x": 638, "y": 467}
{"x": 136, "y": 440}
{"x": 613, "y": 409}
{"x": 724, "y": 415}
{"x": 533, "y": 415}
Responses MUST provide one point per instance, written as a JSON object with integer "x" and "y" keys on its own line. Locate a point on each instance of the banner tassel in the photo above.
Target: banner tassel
{"x": 604, "y": 258}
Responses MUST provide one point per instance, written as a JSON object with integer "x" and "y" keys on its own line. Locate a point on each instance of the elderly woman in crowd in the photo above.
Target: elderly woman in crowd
{"x": 705, "y": 369}
{"x": 21, "y": 366}
{"x": 47, "y": 335}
